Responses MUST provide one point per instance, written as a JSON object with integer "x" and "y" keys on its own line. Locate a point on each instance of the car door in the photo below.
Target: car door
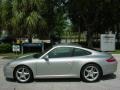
{"x": 59, "y": 62}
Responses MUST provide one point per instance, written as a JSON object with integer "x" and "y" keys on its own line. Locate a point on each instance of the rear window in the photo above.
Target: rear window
{"x": 80, "y": 52}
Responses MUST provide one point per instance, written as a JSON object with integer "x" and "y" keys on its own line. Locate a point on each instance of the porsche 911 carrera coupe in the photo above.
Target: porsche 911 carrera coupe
{"x": 62, "y": 61}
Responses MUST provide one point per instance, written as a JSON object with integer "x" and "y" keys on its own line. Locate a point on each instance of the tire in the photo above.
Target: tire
{"x": 91, "y": 73}
{"x": 23, "y": 74}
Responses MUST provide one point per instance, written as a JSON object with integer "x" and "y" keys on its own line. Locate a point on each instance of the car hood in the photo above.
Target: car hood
{"x": 24, "y": 59}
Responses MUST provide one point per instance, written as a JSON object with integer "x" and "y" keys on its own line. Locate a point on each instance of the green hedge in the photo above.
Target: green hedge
{"x": 5, "y": 48}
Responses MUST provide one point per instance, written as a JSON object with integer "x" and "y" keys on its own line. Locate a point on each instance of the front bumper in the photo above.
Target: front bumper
{"x": 8, "y": 72}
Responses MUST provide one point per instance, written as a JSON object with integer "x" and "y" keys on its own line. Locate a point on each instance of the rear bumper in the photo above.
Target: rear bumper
{"x": 109, "y": 68}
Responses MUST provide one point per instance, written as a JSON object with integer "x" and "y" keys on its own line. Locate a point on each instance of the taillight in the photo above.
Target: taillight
{"x": 111, "y": 60}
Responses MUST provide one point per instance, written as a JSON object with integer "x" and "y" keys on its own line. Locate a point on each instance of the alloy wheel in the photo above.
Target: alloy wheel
{"x": 91, "y": 73}
{"x": 23, "y": 74}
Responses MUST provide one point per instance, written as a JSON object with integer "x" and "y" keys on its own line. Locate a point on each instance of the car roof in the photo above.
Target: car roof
{"x": 67, "y": 45}
{"x": 77, "y": 46}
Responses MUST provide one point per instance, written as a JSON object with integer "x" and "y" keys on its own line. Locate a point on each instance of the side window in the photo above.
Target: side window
{"x": 61, "y": 52}
{"x": 80, "y": 52}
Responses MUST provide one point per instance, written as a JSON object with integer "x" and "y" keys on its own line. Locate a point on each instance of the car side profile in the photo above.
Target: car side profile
{"x": 62, "y": 61}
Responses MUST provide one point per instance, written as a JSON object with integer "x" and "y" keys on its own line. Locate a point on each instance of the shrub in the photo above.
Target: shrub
{"x": 5, "y": 48}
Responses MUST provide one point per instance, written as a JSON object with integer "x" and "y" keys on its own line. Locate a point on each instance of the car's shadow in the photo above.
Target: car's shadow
{"x": 10, "y": 80}
{"x": 109, "y": 77}
{"x": 58, "y": 80}
{"x": 106, "y": 77}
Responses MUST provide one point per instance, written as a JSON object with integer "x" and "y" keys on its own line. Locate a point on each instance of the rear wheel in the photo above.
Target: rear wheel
{"x": 23, "y": 74}
{"x": 91, "y": 73}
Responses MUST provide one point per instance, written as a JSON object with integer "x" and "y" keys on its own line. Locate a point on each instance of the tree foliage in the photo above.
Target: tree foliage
{"x": 94, "y": 15}
{"x": 0, "y": 15}
{"x": 6, "y": 14}
{"x": 42, "y": 17}
{"x": 27, "y": 15}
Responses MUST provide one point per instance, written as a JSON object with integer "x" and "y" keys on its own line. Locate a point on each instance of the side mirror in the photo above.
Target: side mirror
{"x": 46, "y": 57}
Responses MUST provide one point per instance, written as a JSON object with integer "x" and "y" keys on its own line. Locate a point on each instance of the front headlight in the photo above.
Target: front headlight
{"x": 9, "y": 64}
{"x": 8, "y": 70}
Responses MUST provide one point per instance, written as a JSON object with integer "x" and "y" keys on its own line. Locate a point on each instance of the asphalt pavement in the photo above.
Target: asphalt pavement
{"x": 109, "y": 82}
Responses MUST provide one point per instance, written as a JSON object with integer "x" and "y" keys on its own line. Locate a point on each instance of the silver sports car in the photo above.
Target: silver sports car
{"x": 62, "y": 61}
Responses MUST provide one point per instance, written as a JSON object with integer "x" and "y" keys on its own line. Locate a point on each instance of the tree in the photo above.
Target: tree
{"x": 56, "y": 15}
{"x": 6, "y": 14}
{"x": 31, "y": 17}
{"x": 60, "y": 17}
{"x": 0, "y": 16}
{"x": 27, "y": 16}
{"x": 94, "y": 15}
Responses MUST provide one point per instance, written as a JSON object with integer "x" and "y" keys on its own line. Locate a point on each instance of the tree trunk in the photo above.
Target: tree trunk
{"x": 79, "y": 34}
{"x": 66, "y": 37}
{"x": 118, "y": 36}
{"x": 30, "y": 39}
{"x": 89, "y": 38}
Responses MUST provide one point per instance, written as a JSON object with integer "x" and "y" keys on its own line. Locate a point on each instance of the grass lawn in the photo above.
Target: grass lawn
{"x": 116, "y": 52}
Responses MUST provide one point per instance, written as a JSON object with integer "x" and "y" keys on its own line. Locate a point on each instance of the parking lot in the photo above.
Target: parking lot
{"x": 109, "y": 82}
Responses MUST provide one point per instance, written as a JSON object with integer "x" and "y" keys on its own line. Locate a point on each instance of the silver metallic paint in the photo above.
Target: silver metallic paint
{"x": 61, "y": 67}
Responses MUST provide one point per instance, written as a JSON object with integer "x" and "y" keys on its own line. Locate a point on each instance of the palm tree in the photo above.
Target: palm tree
{"x": 6, "y": 14}
{"x": 27, "y": 16}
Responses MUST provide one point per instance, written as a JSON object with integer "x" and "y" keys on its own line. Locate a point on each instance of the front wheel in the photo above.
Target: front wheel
{"x": 23, "y": 74}
{"x": 91, "y": 73}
